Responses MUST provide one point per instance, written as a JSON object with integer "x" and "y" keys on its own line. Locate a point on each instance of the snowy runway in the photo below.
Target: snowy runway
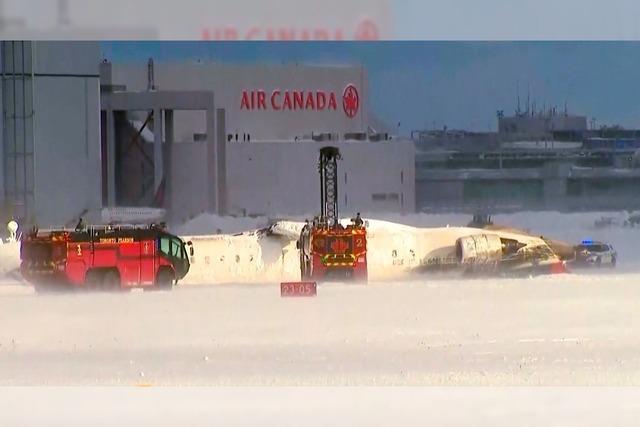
{"x": 551, "y": 330}
{"x": 576, "y": 329}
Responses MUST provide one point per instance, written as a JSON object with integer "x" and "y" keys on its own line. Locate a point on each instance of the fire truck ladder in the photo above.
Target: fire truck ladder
{"x": 329, "y": 157}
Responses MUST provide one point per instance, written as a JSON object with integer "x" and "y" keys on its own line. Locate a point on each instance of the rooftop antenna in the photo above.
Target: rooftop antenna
{"x": 151, "y": 85}
{"x": 518, "y": 97}
{"x": 528, "y": 94}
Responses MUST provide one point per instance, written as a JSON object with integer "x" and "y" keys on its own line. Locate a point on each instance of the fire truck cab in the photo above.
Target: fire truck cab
{"x": 105, "y": 257}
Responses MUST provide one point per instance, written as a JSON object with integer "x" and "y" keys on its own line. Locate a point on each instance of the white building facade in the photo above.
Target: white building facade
{"x": 277, "y": 119}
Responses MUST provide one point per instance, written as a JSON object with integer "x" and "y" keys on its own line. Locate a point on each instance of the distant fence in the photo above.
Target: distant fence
{"x": 565, "y": 204}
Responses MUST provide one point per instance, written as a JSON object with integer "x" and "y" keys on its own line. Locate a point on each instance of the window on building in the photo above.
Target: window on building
{"x": 383, "y": 197}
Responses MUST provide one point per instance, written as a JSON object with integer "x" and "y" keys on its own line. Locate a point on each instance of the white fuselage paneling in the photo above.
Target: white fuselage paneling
{"x": 394, "y": 252}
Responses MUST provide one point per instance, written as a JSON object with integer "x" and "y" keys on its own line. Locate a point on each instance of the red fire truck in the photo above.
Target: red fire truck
{"x": 334, "y": 253}
{"x": 329, "y": 250}
{"x": 105, "y": 257}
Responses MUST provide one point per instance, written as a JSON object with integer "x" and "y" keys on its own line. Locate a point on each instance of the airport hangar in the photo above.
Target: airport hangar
{"x": 80, "y": 133}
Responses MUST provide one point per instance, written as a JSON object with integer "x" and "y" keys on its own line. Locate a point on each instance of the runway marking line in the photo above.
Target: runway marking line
{"x": 570, "y": 339}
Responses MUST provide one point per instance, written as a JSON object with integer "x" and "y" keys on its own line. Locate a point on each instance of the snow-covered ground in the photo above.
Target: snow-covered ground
{"x": 571, "y": 329}
{"x": 320, "y": 406}
{"x": 554, "y": 330}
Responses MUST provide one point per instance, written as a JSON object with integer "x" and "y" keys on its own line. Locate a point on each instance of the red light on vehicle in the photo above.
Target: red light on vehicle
{"x": 558, "y": 267}
{"x": 298, "y": 289}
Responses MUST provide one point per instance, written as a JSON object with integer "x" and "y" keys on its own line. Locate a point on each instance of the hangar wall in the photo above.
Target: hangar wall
{"x": 283, "y": 178}
{"x": 275, "y": 173}
{"x": 280, "y": 178}
{"x": 3, "y": 205}
{"x": 189, "y": 190}
{"x": 51, "y": 130}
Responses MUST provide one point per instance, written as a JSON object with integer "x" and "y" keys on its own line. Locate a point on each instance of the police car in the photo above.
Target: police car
{"x": 596, "y": 254}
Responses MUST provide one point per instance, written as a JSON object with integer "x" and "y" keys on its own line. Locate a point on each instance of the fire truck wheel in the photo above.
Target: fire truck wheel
{"x": 164, "y": 280}
{"x": 92, "y": 280}
{"x": 111, "y": 281}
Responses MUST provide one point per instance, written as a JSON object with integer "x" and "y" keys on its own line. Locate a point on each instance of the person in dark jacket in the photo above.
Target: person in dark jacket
{"x": 80, "y": 225}
{"x": 358, "y": 220}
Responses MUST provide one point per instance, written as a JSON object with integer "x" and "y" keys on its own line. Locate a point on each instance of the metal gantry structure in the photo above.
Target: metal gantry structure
{"x": 328, "y": 167}
{"x": 17, "y": 95}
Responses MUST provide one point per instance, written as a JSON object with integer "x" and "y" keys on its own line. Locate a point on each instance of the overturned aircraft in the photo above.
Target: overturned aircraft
{"x": 395, "y": 251}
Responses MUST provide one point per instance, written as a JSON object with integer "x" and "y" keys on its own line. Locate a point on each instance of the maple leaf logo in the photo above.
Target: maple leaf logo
{"x": 339, "y": 246}
{"x": 350, "y": 100}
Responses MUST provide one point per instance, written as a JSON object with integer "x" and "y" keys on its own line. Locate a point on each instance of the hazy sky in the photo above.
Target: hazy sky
{"x": 457, "y": 84}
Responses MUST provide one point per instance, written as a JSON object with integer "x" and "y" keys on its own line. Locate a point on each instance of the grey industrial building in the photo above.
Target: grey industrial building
{"x": 536, "y": 160}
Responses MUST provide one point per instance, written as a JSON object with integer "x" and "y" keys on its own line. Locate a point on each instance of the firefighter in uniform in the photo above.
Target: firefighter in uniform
{"x": 357, "y": 221}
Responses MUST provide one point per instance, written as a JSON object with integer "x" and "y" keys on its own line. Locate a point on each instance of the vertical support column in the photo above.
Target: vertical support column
{"x": 168, "y": 164}
{"x": 2, "y": 152}
{"x": 221, "y": 161}
{"x": 158, "y": 169}
{"x": 111, "y": 158}
{"x": 211, "y": 157}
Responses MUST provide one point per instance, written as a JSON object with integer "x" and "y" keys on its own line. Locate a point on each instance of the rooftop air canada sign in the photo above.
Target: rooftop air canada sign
{"x": 301, "y": 100}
